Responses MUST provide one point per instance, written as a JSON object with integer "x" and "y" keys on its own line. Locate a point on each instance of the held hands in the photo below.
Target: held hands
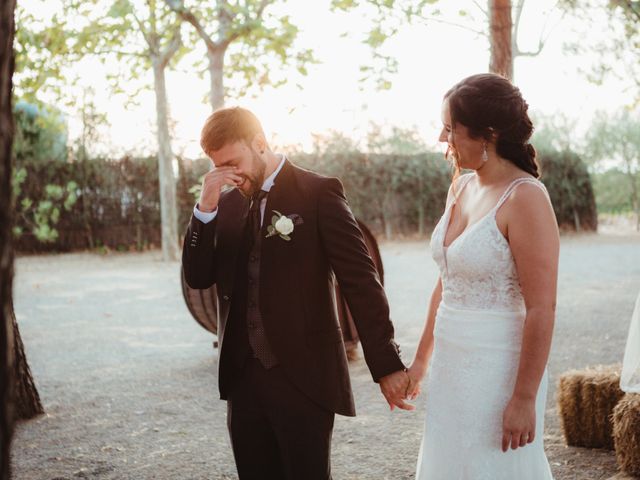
{"x": 518, "y": 423}
{"x": 416, "y": 373}
{"x": 212, "y": 185}
{"x": 394, "y": 388}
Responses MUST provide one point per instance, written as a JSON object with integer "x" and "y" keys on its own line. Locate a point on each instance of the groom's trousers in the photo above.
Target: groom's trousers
{"x": 277, "y": 432}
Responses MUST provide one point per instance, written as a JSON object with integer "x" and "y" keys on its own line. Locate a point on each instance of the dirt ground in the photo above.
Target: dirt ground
{"x": 128, "y": 378}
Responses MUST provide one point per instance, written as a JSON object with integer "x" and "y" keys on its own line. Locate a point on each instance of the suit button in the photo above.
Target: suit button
{"x": 226, "y": 298}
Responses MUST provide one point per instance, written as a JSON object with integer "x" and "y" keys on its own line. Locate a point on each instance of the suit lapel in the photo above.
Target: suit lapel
{"x": 281, "y": 198}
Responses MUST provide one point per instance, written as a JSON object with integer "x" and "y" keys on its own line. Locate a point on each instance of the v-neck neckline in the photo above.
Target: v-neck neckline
{"x": 469, "y": 227}
{"x": 448, "y": 219}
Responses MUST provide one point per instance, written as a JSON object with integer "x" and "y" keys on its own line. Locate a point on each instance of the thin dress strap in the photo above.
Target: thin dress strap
{"x": 462, "y": 183}
{"x": 518, "y": 181}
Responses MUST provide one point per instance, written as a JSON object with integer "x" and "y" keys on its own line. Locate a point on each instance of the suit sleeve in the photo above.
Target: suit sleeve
{"x": 198, "y": 254}
{"x": 358, "y": 280}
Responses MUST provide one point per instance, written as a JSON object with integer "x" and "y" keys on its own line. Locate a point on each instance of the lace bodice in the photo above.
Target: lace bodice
{"x": 477, "y": 269}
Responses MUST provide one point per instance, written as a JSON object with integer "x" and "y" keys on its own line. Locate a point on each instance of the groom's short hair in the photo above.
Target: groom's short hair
{"x": 229, "y": 125}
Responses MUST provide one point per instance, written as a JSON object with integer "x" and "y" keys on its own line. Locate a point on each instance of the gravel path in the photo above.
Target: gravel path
{"x": 128, "y": 378}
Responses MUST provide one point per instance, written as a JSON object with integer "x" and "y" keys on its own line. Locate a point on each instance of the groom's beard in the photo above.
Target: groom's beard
{"x": 254, "y": 180}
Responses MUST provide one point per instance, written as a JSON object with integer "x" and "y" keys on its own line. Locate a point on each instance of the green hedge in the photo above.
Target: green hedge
{"x": 117, "y": 202}
{"x": 569, "y": 184}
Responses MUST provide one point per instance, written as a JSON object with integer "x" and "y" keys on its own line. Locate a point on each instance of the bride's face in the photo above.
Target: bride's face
{"x": 465, "y": 151}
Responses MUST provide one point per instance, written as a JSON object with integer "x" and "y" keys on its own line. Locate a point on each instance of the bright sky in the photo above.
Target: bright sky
{"x": 431, "y": 59}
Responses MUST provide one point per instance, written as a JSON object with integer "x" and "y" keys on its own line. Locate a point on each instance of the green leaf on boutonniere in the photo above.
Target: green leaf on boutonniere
{"x": 285, "y": 237}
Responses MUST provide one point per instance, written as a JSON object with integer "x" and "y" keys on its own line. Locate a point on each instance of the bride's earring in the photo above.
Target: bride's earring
{"x": 485, "y": 155}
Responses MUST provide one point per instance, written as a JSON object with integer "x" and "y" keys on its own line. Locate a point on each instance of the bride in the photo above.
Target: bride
{"x": 488, "y": 331}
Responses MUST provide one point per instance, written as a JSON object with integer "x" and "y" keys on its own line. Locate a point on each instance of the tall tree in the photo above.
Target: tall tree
{"x": 500, "y": 30}
{"x": 7, "y": 28}
{"x": 145, "y": 36}
{"x": 142, "y": 36}
{"x": 222, "y": 23}
{"x": 493, "y": 22}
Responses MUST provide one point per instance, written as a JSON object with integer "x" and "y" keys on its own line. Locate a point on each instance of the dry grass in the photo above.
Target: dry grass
{"x": 586, "y": 399}
{"x": 626, "y": 433}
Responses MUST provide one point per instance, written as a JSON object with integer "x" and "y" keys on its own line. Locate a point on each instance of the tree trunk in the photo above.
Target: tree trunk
{"x": 27, "y": 400}
{"x": 421, "y": 220}
{"x": 501, "y": 48}
{"x": 7, "y": 28}
{"x": 216, "y": 77}
{"x": 168, "y": 208}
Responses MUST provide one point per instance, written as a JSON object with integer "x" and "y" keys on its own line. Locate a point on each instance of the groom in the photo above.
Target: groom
{"x": 273, "y": 246}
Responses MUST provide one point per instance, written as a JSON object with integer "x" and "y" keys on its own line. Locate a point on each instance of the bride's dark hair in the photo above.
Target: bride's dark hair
{"x": 488, "y": 104}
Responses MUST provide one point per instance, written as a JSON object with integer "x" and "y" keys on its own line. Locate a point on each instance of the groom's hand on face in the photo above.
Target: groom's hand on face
{"x": 212, "y": 185}
{"x": 394, "y": 389}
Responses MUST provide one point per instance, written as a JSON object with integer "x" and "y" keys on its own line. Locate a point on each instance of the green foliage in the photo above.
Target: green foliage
{"x": 42, "y": 50}
{"x": 396, "y": 188}
{"x": 615, "y": 139}
{"x": 254, "y": 38}
{"x": 102, "y": 202}
{"x": 396, "y": 140}
{"x": 40, "y": 139}
{"x": 39, "y": 213}
{"x": 139, "y": 35}
{"x": 617, "y": 52}
{"x": 387, "y": 18}
{"x": 554, "y": 132}
{"x": 39, "y": 135}
{"x": 569, "y": 184}
{"x": 614, "y": 191}
{"x": 614, "y": 142}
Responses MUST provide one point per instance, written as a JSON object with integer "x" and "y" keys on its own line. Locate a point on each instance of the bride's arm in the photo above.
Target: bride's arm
{"x": 533, "y": 238}
{"x": 418, "y": 367}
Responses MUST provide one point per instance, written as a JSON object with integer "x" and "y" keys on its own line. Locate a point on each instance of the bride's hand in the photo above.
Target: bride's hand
{"x": 416, "y": 373}
{"x": 518, "y": 423}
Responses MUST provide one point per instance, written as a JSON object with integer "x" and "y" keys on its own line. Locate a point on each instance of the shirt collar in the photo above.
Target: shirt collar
{"x": 268, "y": 183}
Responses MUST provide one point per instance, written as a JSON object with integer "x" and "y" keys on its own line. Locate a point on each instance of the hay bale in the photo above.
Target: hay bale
{"x": 626, "y": 433}
{"x": 586, "y": 399}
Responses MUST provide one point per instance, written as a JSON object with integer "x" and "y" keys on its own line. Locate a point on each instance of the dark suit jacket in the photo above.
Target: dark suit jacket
{"x": 297, "y": 297}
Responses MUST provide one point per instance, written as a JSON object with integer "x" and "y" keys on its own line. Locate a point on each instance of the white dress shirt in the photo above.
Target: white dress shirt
{"x": 206, "y": 217}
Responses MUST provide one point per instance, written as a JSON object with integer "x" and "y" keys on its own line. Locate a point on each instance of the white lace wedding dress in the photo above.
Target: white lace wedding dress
{"x": 473, "y": 368}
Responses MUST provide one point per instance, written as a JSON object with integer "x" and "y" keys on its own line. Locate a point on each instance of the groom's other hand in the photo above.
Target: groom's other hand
{"x": 212, "y": 185}
{"x": 394, "y": 389}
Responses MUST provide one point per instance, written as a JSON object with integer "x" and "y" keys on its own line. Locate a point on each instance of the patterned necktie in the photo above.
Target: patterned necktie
{"x": 254, "y": 215}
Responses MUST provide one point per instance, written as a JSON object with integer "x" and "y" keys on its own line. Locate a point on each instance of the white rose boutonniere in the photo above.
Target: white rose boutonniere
{"x": 280, "y": 225}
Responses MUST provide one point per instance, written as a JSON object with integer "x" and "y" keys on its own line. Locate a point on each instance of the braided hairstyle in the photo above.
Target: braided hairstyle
{"x": 489, "y": 104}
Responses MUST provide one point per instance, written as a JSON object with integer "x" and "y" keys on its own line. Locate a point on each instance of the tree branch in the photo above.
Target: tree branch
{"x": 264, "y": 4}
{"x": 247, "y": 27}
{"x": 543, "y": 38}
{"x": 172, "y": 47}
{"x": 629, "y": 4}
{"x": 516, "y": 28}
{"x": 480, "y": 8}
{"x": 142, "y": 29}
{"x": 453, "y": 24}
{"x": 106, "y": 52}
{"x": 187, "y": 15}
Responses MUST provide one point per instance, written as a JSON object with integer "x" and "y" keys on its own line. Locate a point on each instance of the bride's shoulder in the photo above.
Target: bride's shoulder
{"x": 529, "y": 189}
{"x": 457, "y": 185}
{"x": 529, "y": 199}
